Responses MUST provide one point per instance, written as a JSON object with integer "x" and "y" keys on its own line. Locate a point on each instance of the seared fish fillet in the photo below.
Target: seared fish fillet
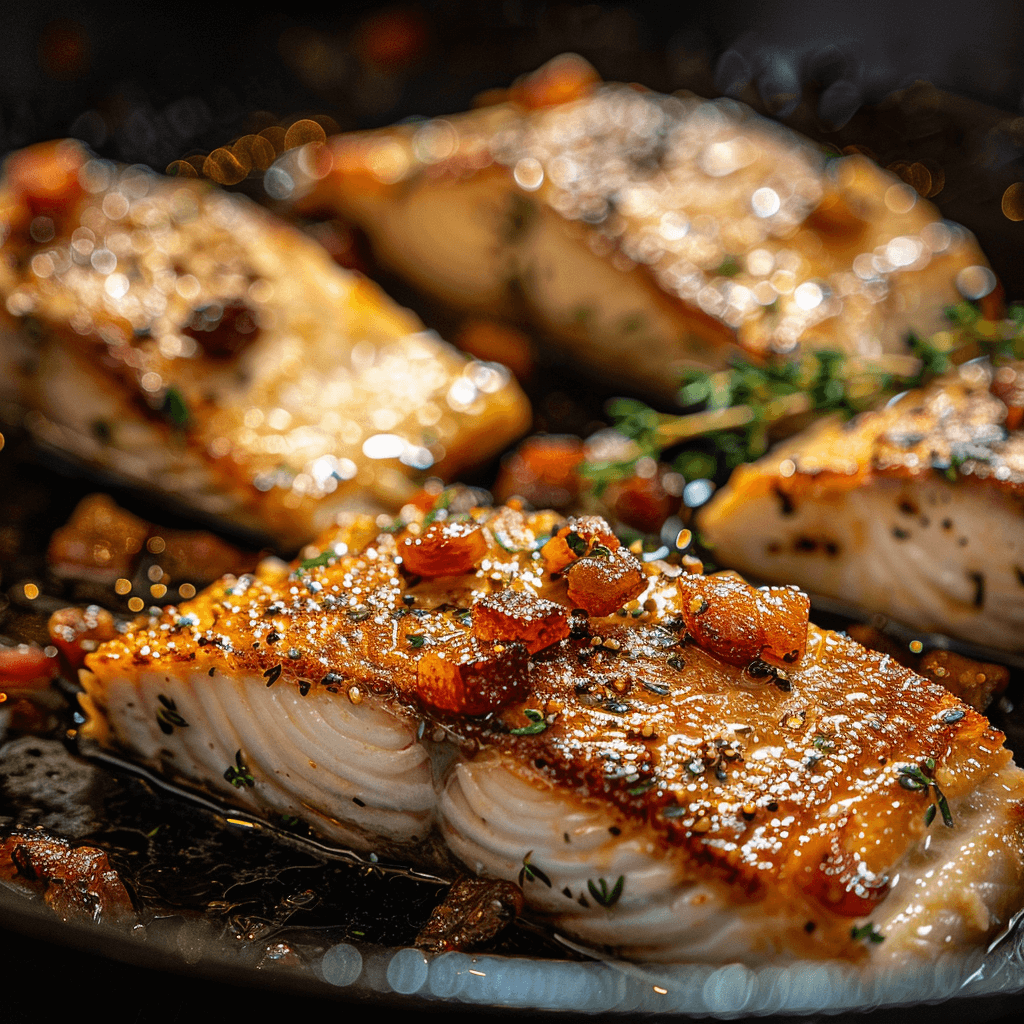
{"x": 673, "y": 767}
{"x": 187, "y": 341}
{"x": 671, "y": 228}
{"x": 915, "y": 510}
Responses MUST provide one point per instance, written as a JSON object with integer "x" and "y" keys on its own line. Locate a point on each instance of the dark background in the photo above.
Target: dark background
{"x": 937, "y": 86}
{"x": 916, "y": 85}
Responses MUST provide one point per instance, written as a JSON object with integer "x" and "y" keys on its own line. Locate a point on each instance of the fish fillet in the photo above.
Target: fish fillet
{"x": 915, "y": 510}
{"x": 677, "y": 229}
{"x": 673, "y": 767}
{"x": 187, "y": 341}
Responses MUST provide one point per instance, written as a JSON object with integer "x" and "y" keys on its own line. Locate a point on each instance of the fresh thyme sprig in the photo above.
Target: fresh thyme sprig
{"x": 736, "y": 413}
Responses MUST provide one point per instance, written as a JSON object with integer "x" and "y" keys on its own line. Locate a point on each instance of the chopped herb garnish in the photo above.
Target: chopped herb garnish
{"x": 440, "y": 507}
{"x": 921, "y": 780}
{"x": 238, "y": 774}
{"x": 642, "y": 787}
{"x": 531, "y": 872}
{"x": 175, "y": 408}
{"x": 415, "y": 639}
{"x": 167, "y": 717}
{"x": 866, "y": 931}
{"x": 729, "y": 267}
{"x": 602, "y": 894}
{"x": 577, "y": 545}
{"x": 317, "y": 560}
{"x": 537, "y": 724}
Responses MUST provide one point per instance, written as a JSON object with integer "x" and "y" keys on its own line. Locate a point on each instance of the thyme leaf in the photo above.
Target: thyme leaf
{"x": 866, "y": 931}
{"x": 531, "y": 872}
{"x": 317, "y": 560}
{"x": 602, "y": 894}
{"x": 537, "y": 724}
{"x": 734, "y": 414}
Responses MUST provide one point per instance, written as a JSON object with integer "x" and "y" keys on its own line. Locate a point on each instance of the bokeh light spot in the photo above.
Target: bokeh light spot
{"x": 1013, "y": 201}
{"x": 303, "y": 132}
{"x": 223, "y": 167}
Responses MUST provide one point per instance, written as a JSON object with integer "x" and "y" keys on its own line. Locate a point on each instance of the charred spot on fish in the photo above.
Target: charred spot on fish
{"x": 907, "y": 507}
{"x": 786, "y": 505}
{"x": 978, "y": 579}
{"x": 899, "y": 533}
{"x": 520, "y": 217}
{"x": 273, "y": 636}
{"x": 773, "y": 547}
{"x": 223, "y": 330}
{"x": 1020, "y": 574}
{"x": 805, "y": 543}
{"x": 615, "y": 830}
{"x": 810, "y": 927}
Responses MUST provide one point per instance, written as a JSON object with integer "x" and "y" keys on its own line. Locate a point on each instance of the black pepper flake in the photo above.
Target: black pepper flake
{"x": 408, "y": 598}
{"x": 212, "y": 672}
{"x": 332, "y": 679}
{"x": 810, "y": 927}
{"x": 272, "y": 674}
{"x": 202, "y": 641}
{"x": 659, "y": 688}
{"x": 677, "y": 663}
{"x": 615, "y": 830}
{"x": 273, "y": 636}
{"x": 358, "y": 802}
{"x": 899, "y": 533}
{"x": 978, "y": 579}
{"x": 304, "y": 685}
{"x": 772, "y": 806}
{"x": 953, "y": 715}
{"x": 294, "y": 654}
